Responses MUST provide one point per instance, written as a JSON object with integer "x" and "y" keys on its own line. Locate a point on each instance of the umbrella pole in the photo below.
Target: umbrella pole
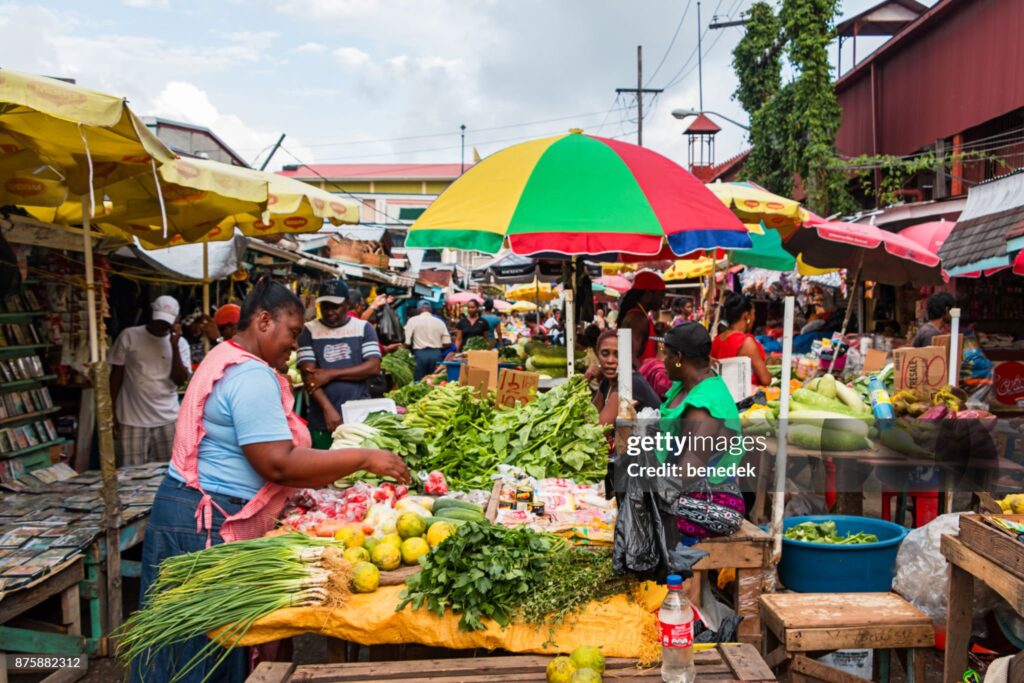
{"x": 105, "y": 432}
{"x": 718, "y": 309}
{"x": 570, "y": 322}
{"x": 779, "y": 497}
{"x": 206, "y": 292}
{"x": 849, "y": 309}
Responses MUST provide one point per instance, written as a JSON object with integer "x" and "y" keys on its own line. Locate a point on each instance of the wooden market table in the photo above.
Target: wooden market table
{"x": 724, "y": 663}
{"x": 749, "y": 552}
{"x": 64, "y": 638}
{"x": 996, "y": 560}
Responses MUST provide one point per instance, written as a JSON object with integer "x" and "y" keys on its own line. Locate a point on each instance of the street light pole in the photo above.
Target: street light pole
{"x": 462, "y": 162}
{"x": 686, "y": 113}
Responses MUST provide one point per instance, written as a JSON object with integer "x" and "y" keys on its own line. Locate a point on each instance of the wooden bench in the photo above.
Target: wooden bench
{"x": 797, "y": 624}
{"x": 725, "y": 663}
{"x": 749, "y": 551}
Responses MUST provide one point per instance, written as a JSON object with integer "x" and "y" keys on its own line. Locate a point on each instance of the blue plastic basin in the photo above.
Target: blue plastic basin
{"x": 454, "y": 368}
{"x": 823, "y": 568}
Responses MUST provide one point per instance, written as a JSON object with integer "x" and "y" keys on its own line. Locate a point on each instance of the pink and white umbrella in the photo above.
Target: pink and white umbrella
{"x": 501, "y": 305}
{"x": 616, "y": 282}
{"x": 875, "y": 254}
{"x": 464, "y": 298}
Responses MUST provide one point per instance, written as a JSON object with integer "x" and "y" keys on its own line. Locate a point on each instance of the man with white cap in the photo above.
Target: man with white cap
{"x": 148, "y": 362}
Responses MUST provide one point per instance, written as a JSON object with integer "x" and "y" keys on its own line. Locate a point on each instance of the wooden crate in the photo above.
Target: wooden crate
{"x": 981, "y": 535}
{"x": 724, "y": 663}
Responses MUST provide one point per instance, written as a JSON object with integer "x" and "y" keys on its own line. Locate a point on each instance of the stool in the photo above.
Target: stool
{"x": 797, "y": 624}
{"x": 926, "y": 506}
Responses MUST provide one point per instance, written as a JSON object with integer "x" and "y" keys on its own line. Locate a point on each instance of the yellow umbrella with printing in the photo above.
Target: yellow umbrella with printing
{"x": 58, "y": 139}
{"x": 531, "y": 291}
{"x": 753, "y": 204}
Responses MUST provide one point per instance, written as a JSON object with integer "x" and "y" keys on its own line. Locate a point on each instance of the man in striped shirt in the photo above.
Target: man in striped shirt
{"x": 337, "y": 355}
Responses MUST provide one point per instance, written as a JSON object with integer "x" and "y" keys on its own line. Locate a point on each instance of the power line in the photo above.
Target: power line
{"x": 680, "y": 77}
{"x": 671, "y": 42}
{"x": 693, "y": 53}
{"x": 440, "y": 135}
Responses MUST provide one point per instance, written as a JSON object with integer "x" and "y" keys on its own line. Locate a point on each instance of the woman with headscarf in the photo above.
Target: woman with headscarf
{"x": 700, "y": 407}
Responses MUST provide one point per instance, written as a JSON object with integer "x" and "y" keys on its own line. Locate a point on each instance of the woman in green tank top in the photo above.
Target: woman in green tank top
{"x": 700, "y": 408}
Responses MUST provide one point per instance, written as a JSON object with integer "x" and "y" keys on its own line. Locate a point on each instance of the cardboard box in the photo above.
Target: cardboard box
{"x": 944, "y": 340}
{"x": 484, "y": 360}
{"x": 738, "y": 376}
{"x": 926, "y": 367}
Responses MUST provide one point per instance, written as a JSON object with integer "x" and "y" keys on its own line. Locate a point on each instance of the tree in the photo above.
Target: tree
{"x": 793, "y": 127}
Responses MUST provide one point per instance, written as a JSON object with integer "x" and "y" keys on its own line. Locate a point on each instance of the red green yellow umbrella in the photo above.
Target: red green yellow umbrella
{"x": 578, "y": 195}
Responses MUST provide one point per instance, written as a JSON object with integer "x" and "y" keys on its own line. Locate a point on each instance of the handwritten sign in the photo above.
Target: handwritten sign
{"x": 926, "y": 367}
{"x": 478, "y": 378}
{"x": 486, "y": 360}
{"x": 517, "y": 386}
{"x": 943, "y": 340}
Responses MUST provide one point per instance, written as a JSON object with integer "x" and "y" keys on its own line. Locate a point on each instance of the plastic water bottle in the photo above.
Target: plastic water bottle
{"x": 676, "y": 617}
{"x": 881, "y": 403}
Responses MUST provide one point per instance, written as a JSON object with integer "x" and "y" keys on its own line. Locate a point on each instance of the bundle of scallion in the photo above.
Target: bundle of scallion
{"x": 231, "y": 586}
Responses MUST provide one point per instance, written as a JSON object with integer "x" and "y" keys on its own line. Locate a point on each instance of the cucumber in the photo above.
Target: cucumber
{"x": 813, "y": 384}
{"x": 835, "y": 413}
{"x": 464, "y": 515}
{"x": 830, "y": 421}
{"x": 814, "y": 438}
{"x": 827, "y": 386}
{"x": 901, "y": 441}
{"x": 850, "y": 397}
{"x": 445, "y": 503}
{"x": 819, "y": 402}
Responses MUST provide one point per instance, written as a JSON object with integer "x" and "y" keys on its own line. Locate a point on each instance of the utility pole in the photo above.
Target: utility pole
{"x": 277, "y": 145}
{"x": 700, "y": 61}
{"x": 639, "y": 91}
{"x": 462, "y": 163}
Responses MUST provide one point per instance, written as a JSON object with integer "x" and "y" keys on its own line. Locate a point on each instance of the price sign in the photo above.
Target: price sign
{"x": 476, "y": 377}
{"x": 517, "y": 386}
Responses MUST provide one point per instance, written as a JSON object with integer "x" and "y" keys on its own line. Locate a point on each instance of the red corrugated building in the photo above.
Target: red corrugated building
{"x": 951, "y": 79}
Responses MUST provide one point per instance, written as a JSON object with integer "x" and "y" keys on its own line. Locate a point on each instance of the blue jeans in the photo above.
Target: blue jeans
{"x": 172, "y": 531}
{"x": 426, "y": 362}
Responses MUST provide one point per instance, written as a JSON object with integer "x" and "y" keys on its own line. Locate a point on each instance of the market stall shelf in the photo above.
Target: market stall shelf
{"x": 67, "y": 638}
{"x": 975, "y": 556}
{"x": 723, "y": 663}
{"x": 749, "y": 552}
{"x": 798, "y": 624}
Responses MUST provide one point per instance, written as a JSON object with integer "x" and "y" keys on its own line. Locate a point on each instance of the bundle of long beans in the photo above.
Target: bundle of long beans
{"x": 231, "y": 585}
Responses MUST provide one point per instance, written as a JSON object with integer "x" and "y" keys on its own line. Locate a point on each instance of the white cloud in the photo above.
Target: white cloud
{"x": 311, "y": 48}
{"x": 351, "y": 57}
{"x": 147, "y": 3}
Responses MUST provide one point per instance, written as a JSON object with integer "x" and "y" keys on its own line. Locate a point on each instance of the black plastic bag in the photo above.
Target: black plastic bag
{"x": 389, "y": 328}
{"x": 640, "y": 537}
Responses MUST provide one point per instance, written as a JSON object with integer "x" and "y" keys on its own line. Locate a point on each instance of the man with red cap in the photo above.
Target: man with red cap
{"x": 226, "y": 319}
{"x": 643, "y": 299}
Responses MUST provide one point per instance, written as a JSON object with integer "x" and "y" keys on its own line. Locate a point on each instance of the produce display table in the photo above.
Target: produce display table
{"x": 723, "y": 663}
{"x": 65, "y": 637}
{"x": 749, "y": 551}
{"x": 799, "y": 623}
{"x": 995, "y": 559}
{"x": 623, "y": 626}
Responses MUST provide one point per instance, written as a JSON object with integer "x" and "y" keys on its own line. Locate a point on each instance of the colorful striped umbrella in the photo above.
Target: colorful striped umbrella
{"x": 578, "y": 195}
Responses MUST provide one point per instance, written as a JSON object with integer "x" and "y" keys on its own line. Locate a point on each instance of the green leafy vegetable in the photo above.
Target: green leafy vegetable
{"x": 825, "y": 532}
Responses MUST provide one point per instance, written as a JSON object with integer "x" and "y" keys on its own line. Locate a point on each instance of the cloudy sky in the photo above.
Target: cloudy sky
{"x": 392, "y": 80}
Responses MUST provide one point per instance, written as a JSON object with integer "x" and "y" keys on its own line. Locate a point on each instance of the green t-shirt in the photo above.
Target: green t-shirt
{"x": 713, "y": 396}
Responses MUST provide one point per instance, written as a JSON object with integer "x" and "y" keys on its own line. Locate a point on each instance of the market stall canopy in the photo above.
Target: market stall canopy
{"x": 578, "y": 195}
{"x": 523, "y": 306}
{"x": 990, "y": 229}
{"x": 614, "y": 282}
{"x": 767, "y": 251}
{"x": 464, "y": 298}
{"x": 57, "y": 139}
{"x": 875, "y": 254}
{"x": 753, "y": 204}
{"x": 501, "y": 305}
{"x": 689, "y": 269}
{"x": 931, "y": 235}
{"x": 223, "y": 258}
{"x": 507, "y": 268}
{"x": 534, "y": 291}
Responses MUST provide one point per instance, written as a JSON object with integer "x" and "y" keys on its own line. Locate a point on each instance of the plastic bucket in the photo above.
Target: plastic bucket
{"x": 824, "y": 568}
{"x": 454, "y": 368}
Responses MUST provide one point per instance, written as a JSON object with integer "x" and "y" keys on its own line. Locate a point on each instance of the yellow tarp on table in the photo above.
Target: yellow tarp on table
{"x": 619, "y": 626}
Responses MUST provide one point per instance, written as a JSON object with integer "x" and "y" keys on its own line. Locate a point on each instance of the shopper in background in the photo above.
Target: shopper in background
{"x": 606, "y": 399}
{"x": 492, "y": 320}
{"x": 148, "y": 364}
{"x": 470, "y": 325}
{"x": 938, "y": 307}
{"x": 736, "y": 341}
{"x": 653, "y": 369}
{"x": 599, "y": 318}
{"x": 193, "y": 329}
{"x": 428, "y": 338}
{"x": 226, "y": 321}
{"x": 682, "y": 310}
{"x": 337, "y": 356}
{"x": 553, "y": 326}
{"x": 643, "y": 299}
